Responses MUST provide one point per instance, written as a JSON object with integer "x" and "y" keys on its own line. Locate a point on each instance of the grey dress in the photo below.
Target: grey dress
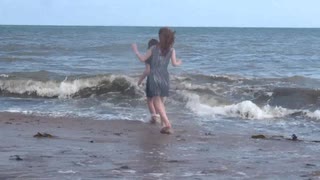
{"x": 158, "y": 79}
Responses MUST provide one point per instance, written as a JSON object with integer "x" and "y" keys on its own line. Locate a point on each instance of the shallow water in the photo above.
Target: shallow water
{"x": 234, "y": 78}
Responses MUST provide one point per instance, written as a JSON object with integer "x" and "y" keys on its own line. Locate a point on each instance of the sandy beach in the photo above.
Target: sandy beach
{"x": 96, "y": 149}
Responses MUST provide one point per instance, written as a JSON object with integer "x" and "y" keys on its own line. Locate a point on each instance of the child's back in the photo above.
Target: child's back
{"x": 146, "y": 72}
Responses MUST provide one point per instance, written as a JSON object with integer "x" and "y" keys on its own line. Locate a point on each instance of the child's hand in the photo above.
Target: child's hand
{"x": 134, "y": 47}
{"x": 179, "y": 61}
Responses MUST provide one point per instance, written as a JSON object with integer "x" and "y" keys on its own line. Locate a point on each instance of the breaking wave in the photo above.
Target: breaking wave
{"x": 212, "y": 95}
{"x": 70, "y": 88}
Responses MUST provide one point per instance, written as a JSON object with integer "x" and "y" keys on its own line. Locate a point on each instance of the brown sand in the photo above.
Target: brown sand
{"x": 92, "y": 149}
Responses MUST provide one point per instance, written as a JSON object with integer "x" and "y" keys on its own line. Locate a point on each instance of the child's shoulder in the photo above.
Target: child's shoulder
{"x": 154, "y": 47}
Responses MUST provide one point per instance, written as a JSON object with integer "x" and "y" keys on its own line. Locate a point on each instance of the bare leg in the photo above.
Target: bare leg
{"x": 152, "y": 110}
{"x": 159, "y": 106}
{"x": 154, "y": 116}
{"x": 144, "y": 74}
{"x": 163, "y": 99}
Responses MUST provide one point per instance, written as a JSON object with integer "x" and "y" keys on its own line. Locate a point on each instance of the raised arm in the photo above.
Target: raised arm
{"x": 174, "y": 60}
{"x": 141, "y": 57}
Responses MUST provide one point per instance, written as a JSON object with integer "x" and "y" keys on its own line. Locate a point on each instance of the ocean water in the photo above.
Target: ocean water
{"x": 234, "y": 79}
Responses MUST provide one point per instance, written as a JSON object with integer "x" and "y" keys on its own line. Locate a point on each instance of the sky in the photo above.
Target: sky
{"x": 194, "y": 13}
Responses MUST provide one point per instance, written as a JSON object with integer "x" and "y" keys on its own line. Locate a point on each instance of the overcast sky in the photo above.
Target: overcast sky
{"x": 225, "y": 13}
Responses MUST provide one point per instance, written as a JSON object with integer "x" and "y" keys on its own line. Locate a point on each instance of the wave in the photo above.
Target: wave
{"x": 313, "y": 115}
{"x": 295, "y": 97}
{"x": 291, "y": 92}
{"x": 293, "y": 81}
{"x": 246, "y": 110}
{"x": 205, "y": 95}
{"x": 70, "y": 88}
{"x": 4, "y": 75}
{"x": 246, "y": 98}
{"x": 210, "y": 78}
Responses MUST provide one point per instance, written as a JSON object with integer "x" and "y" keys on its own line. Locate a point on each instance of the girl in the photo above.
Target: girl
{"x": 146, "y": 72}
{"x": 158, "y": 79}
{"x": 154, "y": 116}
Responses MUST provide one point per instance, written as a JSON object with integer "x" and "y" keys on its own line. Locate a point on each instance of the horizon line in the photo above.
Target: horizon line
{"x": 157, "y": 26}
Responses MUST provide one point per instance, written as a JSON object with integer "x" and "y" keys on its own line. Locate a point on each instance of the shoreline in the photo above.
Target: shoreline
{"x": 117, "y": 149}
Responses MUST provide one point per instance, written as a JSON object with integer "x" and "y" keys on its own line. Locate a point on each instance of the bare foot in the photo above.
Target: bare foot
{"x": 166, "y": 130}
{"x": 155, "y": 119}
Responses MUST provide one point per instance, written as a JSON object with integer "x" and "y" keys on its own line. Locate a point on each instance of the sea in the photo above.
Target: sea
{"x": 231, "y": 79}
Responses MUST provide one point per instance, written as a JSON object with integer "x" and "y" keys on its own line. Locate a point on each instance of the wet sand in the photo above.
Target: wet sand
{"x": 93, "y": 149}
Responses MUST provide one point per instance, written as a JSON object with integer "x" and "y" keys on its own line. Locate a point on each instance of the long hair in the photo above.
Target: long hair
{"x": 166, "y": 37}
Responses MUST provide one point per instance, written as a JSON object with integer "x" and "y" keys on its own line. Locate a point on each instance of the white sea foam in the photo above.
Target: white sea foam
{"x": 313, "y": 115}
{"x": 67, "y": 172}
{"x": 38, "y": 113}
{"x": 4, "y": 75}
{"x": 244, "y": 109}
{"x": 63, "y": 89}
{"x": 157, "y": 175}
{"x": 228, "y": 77}
{"x": 18, "y": 110}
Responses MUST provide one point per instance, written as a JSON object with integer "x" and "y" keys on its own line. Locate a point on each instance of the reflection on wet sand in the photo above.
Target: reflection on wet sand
{"x": 154, "y": 153}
